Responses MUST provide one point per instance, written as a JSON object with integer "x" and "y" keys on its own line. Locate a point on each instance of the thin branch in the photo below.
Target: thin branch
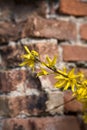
{"x": 72, "y": 99}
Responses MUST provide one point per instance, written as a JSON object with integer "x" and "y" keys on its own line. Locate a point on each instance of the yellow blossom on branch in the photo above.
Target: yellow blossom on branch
{"x": 81, "y": 91}
{"x": 67, "y": 79}
{"x": 30, "y": 58}
{"x": 42, "y": 72}
{"x": 50, "y": 63}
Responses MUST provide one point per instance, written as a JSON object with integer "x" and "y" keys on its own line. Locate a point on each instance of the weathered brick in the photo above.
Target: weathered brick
{"x": 7, "y": 31}
{"x": 74, "y": 53}
{"x": 44, "y": 49}
{"x": 39, "y": 7}
{"x": 43, "y": 123}
{"x": 18, "y": 80}
{"x": 31, "y": 104}
{"x": 37, "y": 26}
{"x": 10, "y": 55}
{"x": 55, "y": 98}
{"x": 83, "y": 31}
{"x": 14, "y": 15}
{"x": 48, "y": 81}
{"x": 73, "y": 7}
{"x": 73, "y": 105}
{"x": 10, "y": 79}
{"x": 26, "y": 104}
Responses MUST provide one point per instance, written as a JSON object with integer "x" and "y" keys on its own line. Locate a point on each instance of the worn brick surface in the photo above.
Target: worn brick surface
{"x": 14, "y": 14}
{"x": 15, "y": 10}
{"x": 39, "y": 27}
{"x": 45, "y": 123}
{"x": 25, "y": 8}
{"x": 48, "y": 81}
{"x": 29, "y": 105}
{"x": 7, "y": 31}
{"x": 83, "y": 31}
{"x": 10, "y": 55}
{"x": 71, "y": 106}
{"x": 10, "y": 79}
{"x": 20, "y": 79}
{"x": 54, "y": 100}
{"x": 44, "y": 49}
{"x": 74, "y": 53}
{"x": 73, "y": 7}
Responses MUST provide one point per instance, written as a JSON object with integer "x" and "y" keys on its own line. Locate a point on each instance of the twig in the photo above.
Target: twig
{"x": 64, "y": 103}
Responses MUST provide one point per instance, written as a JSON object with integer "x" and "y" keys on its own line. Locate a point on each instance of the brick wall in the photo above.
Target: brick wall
{"x": 51, "y": 27}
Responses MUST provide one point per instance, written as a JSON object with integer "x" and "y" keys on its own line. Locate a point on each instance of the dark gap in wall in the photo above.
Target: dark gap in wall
{"x": 62, "y": 41}
{"x": 79, "y": 64}
{"x": 3, "y": 44}
{"x": 71, "y": 113}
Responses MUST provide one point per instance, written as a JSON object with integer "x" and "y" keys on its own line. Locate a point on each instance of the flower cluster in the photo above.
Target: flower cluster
{"x": 65, "y": 78}
{"x": 30, "y": 59}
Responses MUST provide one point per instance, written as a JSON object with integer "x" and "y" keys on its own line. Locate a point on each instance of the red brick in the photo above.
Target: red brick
{"x": 29, "y": 105}
{"x": 13, "y": 16}
{"x": 74, "y": 53}
{"x": 72, "y": 106}
{"x": 55, "y": 98}
{"x": 48, "y": 81}
{"x": 10, "y": 79}
{"x": 39, "y": 7}
{"x": 37, "y": 26}
{"x": 7, "y": 31}
{"x": 32, "y": 103}
{"x": 11, "y": 55}
{"x": 83, "y": 31}
{"x": 43, "y": 123}
{"x": 44, "y": 49}
{"x": 14, "y": 79}
{"x": 73, "y": 7}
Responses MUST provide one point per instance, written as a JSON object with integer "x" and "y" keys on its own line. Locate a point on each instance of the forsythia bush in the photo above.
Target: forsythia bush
{"x": 65, "y": 78}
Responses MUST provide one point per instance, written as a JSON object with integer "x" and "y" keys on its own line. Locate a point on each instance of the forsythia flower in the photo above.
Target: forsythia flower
{"x": 50, "y": 63}
{"x": 42, "y": 72}
{"x": 67, "y": 79}
{"x": 29, "y": 58}
{"x": 81, "y": 91}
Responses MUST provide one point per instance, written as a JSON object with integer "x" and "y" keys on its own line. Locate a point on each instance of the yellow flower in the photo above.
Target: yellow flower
{"x": 29, "y": 58}
{"x": 42, "y": 72}
{"x": 81, "y": 91}
{"x": 67, "y": 79}
{"x": 50, "y": 63}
